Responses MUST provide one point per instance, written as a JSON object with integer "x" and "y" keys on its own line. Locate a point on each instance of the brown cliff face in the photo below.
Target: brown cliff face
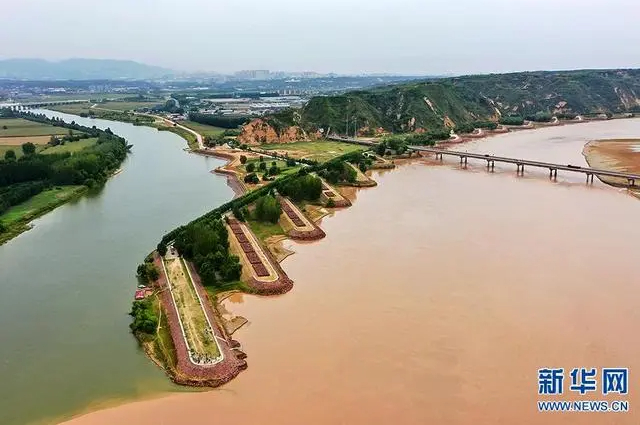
{"x": 259, "y": 132}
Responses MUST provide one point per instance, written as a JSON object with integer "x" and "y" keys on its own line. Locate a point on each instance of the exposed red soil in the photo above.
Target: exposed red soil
{"x": 279, "y": 286}
{"x": 294, "y": 215}
{"x": 329, "y": 192}
{"x": 186, "y": 372}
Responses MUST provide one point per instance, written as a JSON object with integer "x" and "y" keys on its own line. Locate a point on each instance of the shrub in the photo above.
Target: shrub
{"x": 331, "y": 203}
{"x": 512, "y": 120}
{"x": 291, "y": 162}
{"x": 144, "y": 318}
{"x": 243, "y": 159}
{"x": 251, "y": 167}
{"x": 147, "y": 272}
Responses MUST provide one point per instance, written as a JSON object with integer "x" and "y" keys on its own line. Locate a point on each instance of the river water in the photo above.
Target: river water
{"x": 438, "y": 296}
{"x": 66, "y": 286}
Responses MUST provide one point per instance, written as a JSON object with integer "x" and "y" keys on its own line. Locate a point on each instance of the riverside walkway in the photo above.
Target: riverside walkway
{"x": 520, "y": 164}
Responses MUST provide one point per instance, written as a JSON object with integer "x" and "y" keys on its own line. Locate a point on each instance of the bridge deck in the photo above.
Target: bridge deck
{"x": 540, "y": 164}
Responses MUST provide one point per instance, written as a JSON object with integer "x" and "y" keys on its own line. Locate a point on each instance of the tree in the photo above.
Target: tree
{"x": 237, "y": 213}
{"x": 262, "y": 166}
{"x": 274, "y": 170}
{"x": 251, "y": 178}
{"x": 291, "y": 162}
{"x": 251, "y": 167}
{"x": 10, "y": 155}
{"x": 268, "y": 209}
{"x": 4, "y": 127}
{"x": 261, "y": 158}
{"x": 28, "y": 148}
{"x": 303, "y": 188}
{"x": 243, "y": 159}
{"x": 153, "y": 274}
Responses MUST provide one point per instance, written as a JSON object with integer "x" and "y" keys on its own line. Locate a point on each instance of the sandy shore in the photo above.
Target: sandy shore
{"x": 615, "y": 155}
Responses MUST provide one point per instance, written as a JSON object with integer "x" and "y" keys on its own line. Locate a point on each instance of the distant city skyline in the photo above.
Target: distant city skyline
{"x": 400, "y": 37}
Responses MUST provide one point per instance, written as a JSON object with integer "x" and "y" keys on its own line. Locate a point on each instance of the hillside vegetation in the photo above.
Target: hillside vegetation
{"x": 461, "y": 101}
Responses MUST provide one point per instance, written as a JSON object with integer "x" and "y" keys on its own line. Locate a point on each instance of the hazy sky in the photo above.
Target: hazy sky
{"x": 345, "y": 36}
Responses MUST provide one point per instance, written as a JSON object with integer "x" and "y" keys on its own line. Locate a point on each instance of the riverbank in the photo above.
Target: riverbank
{"x": 38, "y": 183}
{"x": 18, "y": 218}
{"x": 616, "y": 155}
{"x": 505, "y": 321}
{"x": 88, "y": 250}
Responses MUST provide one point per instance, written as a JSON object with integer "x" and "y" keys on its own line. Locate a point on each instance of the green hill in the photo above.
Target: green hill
{"x": 464, "y": 100}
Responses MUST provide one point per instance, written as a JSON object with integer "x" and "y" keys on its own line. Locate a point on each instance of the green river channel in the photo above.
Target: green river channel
{"x": 66, "y": 286}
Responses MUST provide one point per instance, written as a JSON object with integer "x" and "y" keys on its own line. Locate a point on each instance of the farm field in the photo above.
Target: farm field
{"x": 18, "y": 127}
{"x": 321, "y": 150}
{"x": 70, "y": 146}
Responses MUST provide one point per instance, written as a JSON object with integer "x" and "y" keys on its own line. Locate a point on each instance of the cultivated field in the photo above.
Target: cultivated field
{"x": 19, "y": 140}
{"x": 200, "y": 338}
{"x": 18, "y": 127}
{"x": 321, "y": 151}
{"x": 70, "y": 146}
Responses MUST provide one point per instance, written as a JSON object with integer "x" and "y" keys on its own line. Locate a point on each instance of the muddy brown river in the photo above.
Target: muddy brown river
{"x": 437, "y": 297}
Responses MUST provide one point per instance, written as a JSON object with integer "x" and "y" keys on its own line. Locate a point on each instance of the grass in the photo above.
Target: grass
{"x": 200, "y": 337}
{"x": 203, "y": 129}
{"x": 70, "y": 146}
{"x": 265, "y": 230}
{"x": 321, "y": 150}
{"x": 39, "y": 204}
{"x": 17, "y": 149}
{"x": 21, "y": 127}
{"x": 191, "y": 139}
{"x": 163, "y": 344}
{"x": 282, "y": 165}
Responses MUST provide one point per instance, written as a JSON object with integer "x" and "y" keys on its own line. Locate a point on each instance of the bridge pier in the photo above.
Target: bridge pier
{"x": 589, "y": 178}
{"x": 631, "y": 182}
{"x": 520, "y": 169}
{"x": 553, "y": 173}
{"x": 490, "y": 164}
{"x": 463, "y": 160}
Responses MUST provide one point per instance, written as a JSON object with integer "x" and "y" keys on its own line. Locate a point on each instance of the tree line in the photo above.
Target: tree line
{"x": 217, "y": 120}
{"x": 29, "y": 175}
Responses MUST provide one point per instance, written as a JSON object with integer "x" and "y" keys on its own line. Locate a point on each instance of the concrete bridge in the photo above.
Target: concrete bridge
{"x": 40, "y": 104}
{"x": 521, "y": 163}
